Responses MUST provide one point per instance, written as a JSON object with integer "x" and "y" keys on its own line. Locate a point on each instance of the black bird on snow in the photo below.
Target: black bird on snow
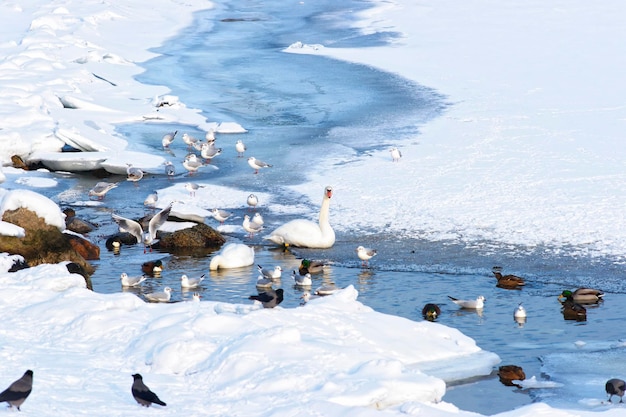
{"x": 142, "y": 393}
{"x": 18, "y": 391}
{"x": 617, "y": 387}
{"x": 269, "y": 298}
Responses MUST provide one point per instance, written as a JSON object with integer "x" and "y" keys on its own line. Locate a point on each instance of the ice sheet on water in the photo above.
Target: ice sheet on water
{"x": 582, "y": 374}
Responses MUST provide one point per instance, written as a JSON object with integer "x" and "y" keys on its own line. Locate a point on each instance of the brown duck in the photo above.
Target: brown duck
{"x": 510, "y": 373}
{"x": 508, "y": 281}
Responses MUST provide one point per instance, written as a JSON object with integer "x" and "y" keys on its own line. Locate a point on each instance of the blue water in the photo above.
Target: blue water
{"x": 229, "y": 64}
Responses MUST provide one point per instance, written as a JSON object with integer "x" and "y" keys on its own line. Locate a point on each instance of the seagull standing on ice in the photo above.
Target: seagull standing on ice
{"x": 476, "y": 304}
{"x": 168, "y": 138}
{"x": 133, "y": 174}
{"x": 221, "y": 215}
{"x": 192, "y": 187}
{"x": 395, "y": 154}
{"x": 256, "y": 164}
{"x": 189, "y": 140}
{"x": 240, "y": 148}
{"x": 170, "y": 170}
{"x": 210, "y": 135}
{"x": 258, "y": 219}
{"x": 191, "y": 163}
{"x": 160, "y": 297}
{"x": 365, "y": 254}
{"x": 131, "y": 281}
{"x": 252, "y": 201}
{"x": 135, "y": 229}
{"x": 187, "y": 282}
{"x": 209, "y": 152}
{"x": 101, "y": 188}
{"x": 251, "y": 227}
{"x": 151, "y": 200}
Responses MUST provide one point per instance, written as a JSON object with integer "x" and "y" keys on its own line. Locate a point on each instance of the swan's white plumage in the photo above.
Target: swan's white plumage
{"x": 232, "y": 255}
{"x": 306, "y": 233}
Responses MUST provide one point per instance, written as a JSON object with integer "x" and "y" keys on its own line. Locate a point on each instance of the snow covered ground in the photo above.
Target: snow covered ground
{"x": 527, "y": 153}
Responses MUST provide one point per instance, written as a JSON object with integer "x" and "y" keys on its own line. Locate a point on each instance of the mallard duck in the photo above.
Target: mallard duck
{"x": 308, "y": 266}
{"x": 431, "y": 311}
{"x": 152, "y": 267}
{"x": 508, "y": 281}
{"x": 584, "y": 295}
{"x": 510, "y": 373}
{"x": 617, "y": 387}
{"x": 571, "y": 309}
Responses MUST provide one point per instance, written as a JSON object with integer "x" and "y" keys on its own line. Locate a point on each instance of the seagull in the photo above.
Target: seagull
{"x": 431, "y": 311}
{"x": 476, "y": 304}
{"x": 133, "y": 174}
{"x": 142, "y": 394}
{"x": 520, "y": 312}
{"x": 252, "y": 201}
{"x": 613, "y": 387}
{"x": 326, "y": 289}
{"x": 365, "y": 254}
{"x": 160, "y": 297}
{"x": 192, "y": 187}
{"x": 209, "y": 152}
{"x": 131, "y": 281}
{"x": 251, "y": 227}
{"x": 187, "y": 282}
{"x": 256, "y": 164}
{"x": 273, "y": 274}
{"x": 210, "y": 135}
{"x": 151, "y": 200}
{"x": 195, "y": 297}
{"x": 189, "y": 140}
{"x": 221, "y": 215}
{"x": 270, "y": 298}
{"x": 264, "y": 282}
{"x": 135, "y": 229}
{"x": 168, "y": 138}
{"x": 18, "y": 391}
{"x": 170, "y": 170}
{"x": 101, "y": 188}
{"x": 240, "y": 147}
{"x": 192, "y": 164}
{"x": 306, "y": 296}
{"x": 302, "y": 280}
{"x": 395, "y": 154}
{"x": 258, "y": 219}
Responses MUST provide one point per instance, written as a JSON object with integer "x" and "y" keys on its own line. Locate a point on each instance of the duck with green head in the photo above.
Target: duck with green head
{"x": 571, "y": 309}
{"x": 584, "y": 295}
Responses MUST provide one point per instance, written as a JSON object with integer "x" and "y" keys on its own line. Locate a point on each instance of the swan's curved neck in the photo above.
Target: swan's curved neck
{"x": 324, "y": 212}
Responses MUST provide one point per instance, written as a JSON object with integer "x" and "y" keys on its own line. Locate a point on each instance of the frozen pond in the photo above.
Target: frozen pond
{"x": 301, "y": 109}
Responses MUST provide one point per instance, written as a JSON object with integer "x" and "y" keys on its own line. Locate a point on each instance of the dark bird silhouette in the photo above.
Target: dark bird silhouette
{"x": 571, "y": 309}
{"x": 152, "y": 267}
{"x": 269, "y": 298}
{"x": 142, "y": 393}
{"x": 615, "y": 387}
{"x": 431, "y": 311}
{"x": 18, "y": 391}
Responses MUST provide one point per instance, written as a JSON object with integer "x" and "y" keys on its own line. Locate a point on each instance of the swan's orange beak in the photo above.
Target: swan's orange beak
{"x": 329, "y": 192}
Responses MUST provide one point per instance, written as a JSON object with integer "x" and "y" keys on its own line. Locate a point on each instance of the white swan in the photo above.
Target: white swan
{"x": 232, "y": 255}
{"x": 305, "y": 233}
